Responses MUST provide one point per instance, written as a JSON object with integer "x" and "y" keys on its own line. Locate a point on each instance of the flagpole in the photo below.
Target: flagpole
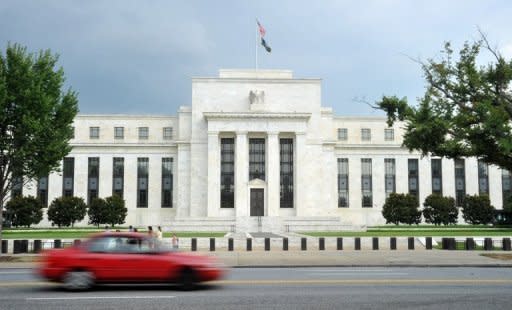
{"x": 256, "y": 46}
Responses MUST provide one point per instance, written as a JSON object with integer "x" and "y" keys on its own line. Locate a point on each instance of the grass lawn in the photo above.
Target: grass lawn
{"x": 84, "y": 233}
{"x": 414, "y": 233}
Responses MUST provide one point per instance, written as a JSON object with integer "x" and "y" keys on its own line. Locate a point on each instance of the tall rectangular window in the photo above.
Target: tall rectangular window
{"x": 437, "y": 176}
{"x": 167, "y": 133}
{"x": 142, "y": 182}
{"x": 460, "y": 182}
{"x": 366, "y": 182}
{"x": 389, "y": 134}
{"x": 506, "y": 186}
{"x": 118, "y": 176}
{"x": 227, "y": 173}
{"x": 93, "y": 178}
{"x": 167, "y": 182}
{"x": 342, "y": 134}
{"x": 414, "y": 186}
{"x": 256, "y": 159}
{"x": 483, "y": 178}
{"x": 68, "y": 176}
{"x": 94, "y": 132}
{"x": 17, "y": 185}
{"x": 366, "y": 134}
{"x": 342, "y": 182}
{"x": 143, "y": 133}
{"x": 118, "y": 132}
{"x": 389, "y": 176}
{"x": 73, "y": 132}
{"x": 42, "y": 191}
{"x": 286, "y": 173}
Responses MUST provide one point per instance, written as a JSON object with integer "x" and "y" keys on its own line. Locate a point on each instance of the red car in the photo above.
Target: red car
{"x": 119, "y": 257}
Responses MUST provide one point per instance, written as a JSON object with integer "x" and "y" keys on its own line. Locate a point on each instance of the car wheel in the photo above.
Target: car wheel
{"x": 78, "y": 280}
{"x": 188, "y": 279}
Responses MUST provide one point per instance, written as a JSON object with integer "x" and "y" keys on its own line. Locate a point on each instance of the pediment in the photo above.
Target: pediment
{"x": 257, "y": 182}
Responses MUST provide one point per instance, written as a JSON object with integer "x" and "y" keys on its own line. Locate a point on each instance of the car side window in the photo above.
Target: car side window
{"x": 101, "y": 245}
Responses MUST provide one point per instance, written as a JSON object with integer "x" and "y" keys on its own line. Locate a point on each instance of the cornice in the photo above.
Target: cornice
{"x": 255, "y": 115}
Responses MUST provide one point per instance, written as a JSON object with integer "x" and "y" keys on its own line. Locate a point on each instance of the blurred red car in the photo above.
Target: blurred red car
{"x": 119, "y": 257}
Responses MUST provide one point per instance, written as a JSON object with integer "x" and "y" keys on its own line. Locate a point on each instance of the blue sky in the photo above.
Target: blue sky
{"x": 137, "y": 57}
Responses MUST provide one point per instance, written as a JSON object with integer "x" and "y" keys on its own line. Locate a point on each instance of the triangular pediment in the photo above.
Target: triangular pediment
{"x": 257, "y": 182}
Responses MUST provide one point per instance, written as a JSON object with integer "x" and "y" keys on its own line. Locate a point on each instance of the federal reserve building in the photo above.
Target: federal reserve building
{"x": 256, "y": 150}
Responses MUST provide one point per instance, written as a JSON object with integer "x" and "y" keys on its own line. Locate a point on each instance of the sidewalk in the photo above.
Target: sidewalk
{"x": 346, "y": 258}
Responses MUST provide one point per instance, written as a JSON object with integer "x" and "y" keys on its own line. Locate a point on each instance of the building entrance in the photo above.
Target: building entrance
{"x": 257, "y": 202}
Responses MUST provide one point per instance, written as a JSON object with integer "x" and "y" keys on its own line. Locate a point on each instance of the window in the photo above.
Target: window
{"x": 460, "y": 182}
{"x": 167, "y": 182}
{"x": 72, "y": 132}
{"x": 118, "y": 176}
{"x": 42, "y": 191}
{"x": 389, "y": 176}
{"x": 94, "y": 132}
{"x": 93, "y": 178}
{"x": 366, "y": 134}
{"x": 257, "y": 159}
{"x": 366, "y": 182}
{"x": 17, "y": 185}
{"x": 342, "y": 134}
{"x": 506, "y": 186}
{"x": 483, "y": 178}
{"x": 286, "y": 173}
{"x": 167, "y": 133}
{"x": 437, "y": 176}
{"x": 389, "y": 134}
{"x": 227, "y": 173}
{"x": 68, "y": 176}
{"x": 118, "y": 132}
{"x": 143, "y": 133}
{"x": 142, "y": 182}
{"x": 342, "y": 182}
{"x": 414, "y": 187}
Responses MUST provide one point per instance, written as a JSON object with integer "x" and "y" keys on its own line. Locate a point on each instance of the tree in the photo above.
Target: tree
{"x": 477, "y": 209}
{"x": 466, "y": 109}
{"x": 24, "y": 211}
{"x": 440, "y": 210}
{"x": 116, "y": 210}
{"x": 35, "y": 116}
{"x": 401, "y": 208}
{"x": 97, "y": 212}
{"x": 65, "y": 211}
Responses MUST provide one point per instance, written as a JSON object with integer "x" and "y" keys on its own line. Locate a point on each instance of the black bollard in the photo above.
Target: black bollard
{"x": 193, "y": 246}
{"x": 5, "y": 246}
{"x": 212, "y": 244}
{"x": 506, "y": 244}
{"x": 375, "y": 243}
{"x": 57, "y": 243}
{"x": 37, "y": 246}
{"x": 357, "y": 243}
{"x": 267, "y": 244}
{"x": 285, "y": 244}
{"x": 321, "y": 244}
{"x": 428, "y": 243}
{"x": 410, "y": 243}
{"x": 488, "y": 244}
{"x": 470, "y": 244}
{"x": 303, "y": 244}
{"x": 392, "y": 243}
{"x": 77, "y": 242}
{"x": 16, "y": 247}
{"x": 339, "y": 244}
{"x": 230, "y": 244}
{"x": 249, "y": 244}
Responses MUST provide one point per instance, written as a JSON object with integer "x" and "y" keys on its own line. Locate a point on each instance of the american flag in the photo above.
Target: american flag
{"x": 262, "y": 30}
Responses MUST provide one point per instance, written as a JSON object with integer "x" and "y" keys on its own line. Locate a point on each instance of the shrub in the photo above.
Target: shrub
{"x": 110, "y": 210}
{"x": 24, "y": 211}
{"x": 97, "y": 212}
{"x": 477, "y": 209}
{"x": 401, "y": 208}
{"x": 440, "y": 210}
{"x": 65, "y": 211}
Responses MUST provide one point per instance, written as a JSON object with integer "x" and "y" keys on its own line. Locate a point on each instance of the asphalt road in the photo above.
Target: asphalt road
{"x": 282, "y": 288}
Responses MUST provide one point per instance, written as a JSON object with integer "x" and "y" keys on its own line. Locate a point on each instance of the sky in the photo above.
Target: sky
{"x": 138, "y": 57}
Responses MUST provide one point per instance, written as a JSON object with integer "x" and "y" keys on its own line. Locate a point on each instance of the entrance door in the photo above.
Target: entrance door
{"x": 257, "y": 201}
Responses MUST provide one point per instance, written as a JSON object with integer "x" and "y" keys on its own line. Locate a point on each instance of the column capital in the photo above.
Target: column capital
{"x": 213, "y": 133}
{"x": 241, "y": 133}
{"x": 272, "y": 133}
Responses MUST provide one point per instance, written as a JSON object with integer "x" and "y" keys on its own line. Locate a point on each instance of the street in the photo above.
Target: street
{"x": 281, "y": 288}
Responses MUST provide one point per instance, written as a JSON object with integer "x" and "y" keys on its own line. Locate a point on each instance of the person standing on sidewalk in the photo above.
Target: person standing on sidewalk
{"x": 175, "y": 241}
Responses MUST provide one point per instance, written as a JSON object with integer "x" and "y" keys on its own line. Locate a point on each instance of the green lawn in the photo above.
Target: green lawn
{"x": 84, "y": 233}
{"x": 413, "y": 233}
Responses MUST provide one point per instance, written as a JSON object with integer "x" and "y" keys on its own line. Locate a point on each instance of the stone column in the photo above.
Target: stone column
{"x": 273, "y": 174}
{"x": 299, "y": 186}
{"x": 213, "y": 173}
{"x": 241, "y": 174}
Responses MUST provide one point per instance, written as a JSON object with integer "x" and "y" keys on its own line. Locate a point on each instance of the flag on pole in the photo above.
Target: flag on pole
{"x": 262, "y": 34}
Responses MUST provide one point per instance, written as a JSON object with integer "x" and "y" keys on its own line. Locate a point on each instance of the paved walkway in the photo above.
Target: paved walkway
{"x": 349, "y": 258}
